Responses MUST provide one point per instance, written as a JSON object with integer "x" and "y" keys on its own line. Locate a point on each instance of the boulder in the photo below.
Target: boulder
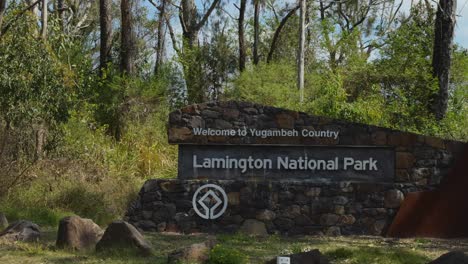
{"x": 3, "y": 221}
{"x": 265, "y": 215}
{"x": 309, "y": 257}
{"x": 194, "y": 253}
{"x": 454, "y": 257}
{"x": 21, "y": 230}
{"x": 393, "y": 198}
{"x": 78, "y": 233}
{"x": 120, "y": 234}
{"x": 254, "y": 228}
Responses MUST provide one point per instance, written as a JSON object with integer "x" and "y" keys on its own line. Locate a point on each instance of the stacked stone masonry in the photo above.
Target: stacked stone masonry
{"x": 289, "y": 206}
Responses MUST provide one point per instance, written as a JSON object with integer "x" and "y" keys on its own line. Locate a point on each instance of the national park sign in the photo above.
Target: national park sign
{"x": 239, "y": 140}
{"x": 292, "y": 173}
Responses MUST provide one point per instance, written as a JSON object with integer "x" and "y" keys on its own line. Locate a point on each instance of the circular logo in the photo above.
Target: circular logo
{"x": 207, "y": 201}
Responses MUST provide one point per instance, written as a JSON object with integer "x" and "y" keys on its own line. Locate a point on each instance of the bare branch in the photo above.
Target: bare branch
{"x": 13, "y": 20}
{"x": 278, "y": 31}
{"x": 172, "y": 35}
{"x": 207, "y": 15}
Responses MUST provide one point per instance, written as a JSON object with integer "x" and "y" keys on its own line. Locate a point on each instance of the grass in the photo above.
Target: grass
{"x": 39, "y": 215}
{"x": 340, "y": 250}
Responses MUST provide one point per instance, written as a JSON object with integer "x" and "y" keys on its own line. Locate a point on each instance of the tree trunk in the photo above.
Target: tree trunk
{"x": 127, "y": 52}
{"x": 160, "y": 40}
{"x": 256, "y": 56}
{"x": 105, "y": 20}
{"x": 242, "y": 49}
{"x": 441, "y": 60}
{"x": 191, "y": 25}
{"x": 44, "y": 19}
{"x": 188, "y": 16}
{"x": 41, "y": 137}
{"x": 61, "y": 14}
{"x": 301, "y": 51}
{"x": 2, "y": 13}
{"x": 274, "y": 42}
{"x": 4, "y": 139}
{"x": 308, "y": 22}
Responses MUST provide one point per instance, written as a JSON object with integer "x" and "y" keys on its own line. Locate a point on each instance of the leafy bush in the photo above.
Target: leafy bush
{"x": 223, "y": 255}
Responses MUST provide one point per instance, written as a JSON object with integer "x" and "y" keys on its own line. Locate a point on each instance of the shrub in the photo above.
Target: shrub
{"x": 221, "y": 254}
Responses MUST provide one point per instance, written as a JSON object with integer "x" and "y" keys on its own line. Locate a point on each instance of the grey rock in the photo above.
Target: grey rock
{"x": 195, "y": 121}
{"x": 421, "y": 173}
{"x": 146, "y": 225}
{"x": 120, "y": 234}
{"x": 21, "y": 230}
{"x": 78, "y": 233}
{"x": 454, "y": 257}
{"x": 393, "y": 198}
{"x": 339, "y": 210}
{"x": 161, "y": 227}
{"x": 147, "y": 214}
{"x": 340, "y": 200}
{"x": 210, "y": 114}
{"x": 221, "y": 124}
{"x": 283, "y": 223}
{"x": 163, "y": 212}
{"x": 329, "y": 219}
{"x": 251, "y": 111}
{"x": 265, "y": 215}
{"x": 254, "y": 228}
{"x": 197, "y": 253}
{"x": 302, "y": 220}
{"x": 313, "y": 192}
{"x": 378, "y": 227}
{"x": 333, "y": 231}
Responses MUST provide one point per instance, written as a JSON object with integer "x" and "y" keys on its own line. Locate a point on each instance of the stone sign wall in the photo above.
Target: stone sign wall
{"x": 285, "y": 191}
{"x": 419, "y": 159}
{"x": 290, "y": 208}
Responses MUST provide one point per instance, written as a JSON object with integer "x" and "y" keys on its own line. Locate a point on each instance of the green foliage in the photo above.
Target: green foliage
{"x": 39, "y": 215}
{"x": 33, "y": 84}
{"x": 394, "y": 90}
{"x": 269, "y": 84}
{"x": 224, "y": 255}
{"x": 36, "y": 91}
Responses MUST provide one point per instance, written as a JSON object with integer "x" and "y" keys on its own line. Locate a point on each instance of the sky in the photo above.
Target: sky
{"x": 461, "y": 29}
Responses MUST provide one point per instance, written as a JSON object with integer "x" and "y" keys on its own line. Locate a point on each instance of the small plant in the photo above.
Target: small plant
{"x": 221, "y": 254}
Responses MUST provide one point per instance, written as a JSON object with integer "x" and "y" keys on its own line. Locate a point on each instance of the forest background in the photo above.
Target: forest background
{"x": 86, "y": 86}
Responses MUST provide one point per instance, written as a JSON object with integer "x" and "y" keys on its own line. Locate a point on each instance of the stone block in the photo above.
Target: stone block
{"x": 404, "y": 160}
{"x": 265, "y": 215}
{"x": 179, "y": 134}
{"x": 435, "y": 142}
{"x": 329, "y": 219}
{"x": 393, "y": 198}
{"x": 233, "y": 198}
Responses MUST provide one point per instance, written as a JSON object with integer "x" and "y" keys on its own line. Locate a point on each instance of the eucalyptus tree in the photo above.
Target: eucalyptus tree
{"x": 44, "y": 19}
{"x": 355, "y": 27}
{"x": 161, "y": 35}
{"x": 192, "y": 22}
{"x": 257, "y": 8}
{"x": 443, "y": 48}
{"x": 241, "y": 34}
{"x": 105, "y": 22}
{"x": 301, "y": 50}
{"x": 2, "y": 12}
{"x": 127, "y": 48}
